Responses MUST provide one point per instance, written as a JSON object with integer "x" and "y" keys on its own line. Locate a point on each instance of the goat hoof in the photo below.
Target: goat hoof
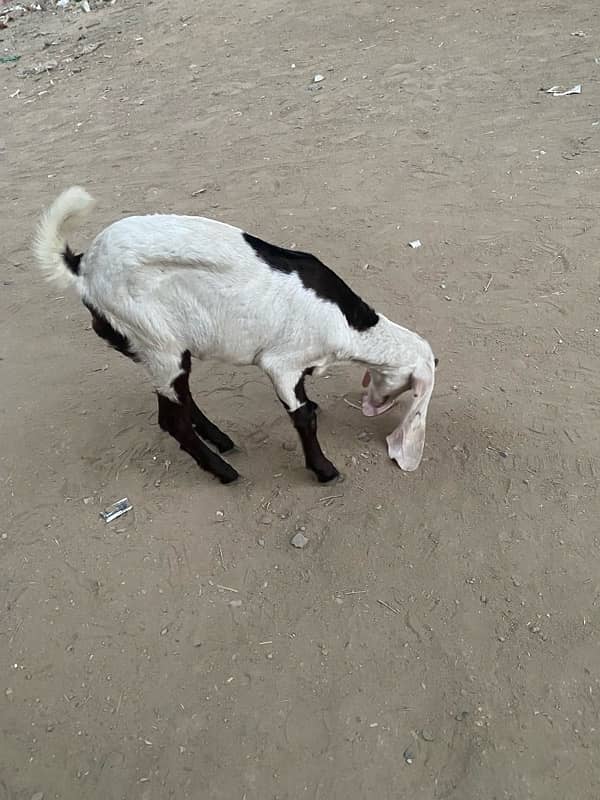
{"x": 228, "y": 476}
{"x": 327, "y": 475}
{"x": 225, "y": 445}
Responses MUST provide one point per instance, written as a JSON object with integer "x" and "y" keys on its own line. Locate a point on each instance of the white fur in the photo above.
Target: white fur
{"x": 51, "y": 237}
{"x": 174, "y": 283}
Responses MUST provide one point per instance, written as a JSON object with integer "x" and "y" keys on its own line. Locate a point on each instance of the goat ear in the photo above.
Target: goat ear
{"x": 366, "y": 379}
{"x": 405, "y": 444}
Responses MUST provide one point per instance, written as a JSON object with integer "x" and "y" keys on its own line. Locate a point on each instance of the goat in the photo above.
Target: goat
{"x": 163, "y": 288}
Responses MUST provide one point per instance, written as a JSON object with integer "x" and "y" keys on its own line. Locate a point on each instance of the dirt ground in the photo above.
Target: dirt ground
{"x": 437, "y": 638}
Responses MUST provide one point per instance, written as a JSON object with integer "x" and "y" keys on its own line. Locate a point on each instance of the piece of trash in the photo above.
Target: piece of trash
{"x": 578, "y": 33}
{"x": 318, "y": 78}
{"x": 8, "y": 59}
{"x": 555, "y": 91}
{"x": 409, "y": 756}
{"x": 198, "y": 191}
{"x": 116, "y": 510}
{"x": 87, "y": 49}
{"x": 86, "y": 6}
{"x": 299, "y": 541}
{"x": 39, "y": 69}
{"x": 415, "y": 243}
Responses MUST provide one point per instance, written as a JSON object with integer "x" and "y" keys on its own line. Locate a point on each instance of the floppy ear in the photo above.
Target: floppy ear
{"x": 366, "y": 379}
{"x": 405, "y": 444}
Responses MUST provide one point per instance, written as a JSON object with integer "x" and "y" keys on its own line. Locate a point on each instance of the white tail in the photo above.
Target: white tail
{"x": 50, "y": 245}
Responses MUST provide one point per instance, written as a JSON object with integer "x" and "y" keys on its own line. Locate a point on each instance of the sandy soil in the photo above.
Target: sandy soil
{"x": 437, "y": 638}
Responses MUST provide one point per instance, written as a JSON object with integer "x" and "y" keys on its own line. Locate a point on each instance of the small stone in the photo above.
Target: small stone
{"x": 8, "y": 692}
{"x": 483, "y": 598}
{"x": 409, "y": 756}
{"x": 235, "y": 603}
{"x": 299, "y": 540}
{"x": 5, "y": 536}
{"x": 289, "y": 446}
{"x": 37, "y": 796}
{"x": 318, "y": 78}
{"x": 516, "y": 581}
{"x": 461, "y": 716}
{"x": 535, "y": 629}
{"x": 164, "y": 631}
{"x": 261, "y": 542}
{"x": 220, "y": 515}
{"x": 427, "y": 735}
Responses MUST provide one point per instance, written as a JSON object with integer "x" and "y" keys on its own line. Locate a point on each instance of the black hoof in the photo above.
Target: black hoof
{"x": 327, "y": 475}
{"x": 228, "y": 476}
{"x": 225, "y": 445}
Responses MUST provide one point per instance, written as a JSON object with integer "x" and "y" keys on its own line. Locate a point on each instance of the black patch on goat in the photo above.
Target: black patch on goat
{"x": 72, "y": 260}
{"x": 317, "y": 276}
{"x": 105, "y": 330}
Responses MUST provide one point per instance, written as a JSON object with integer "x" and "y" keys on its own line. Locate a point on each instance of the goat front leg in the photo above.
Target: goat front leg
{"x": 302, "y": 412}
{"x": 176, "y": 416}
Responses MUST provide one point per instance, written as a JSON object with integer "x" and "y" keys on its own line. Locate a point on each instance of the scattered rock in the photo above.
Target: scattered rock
{"x": 299, "y": 540}
{"x": 318, "y": 78}
{"x": 461, "y": 716}
{"x": 427, "y": 735}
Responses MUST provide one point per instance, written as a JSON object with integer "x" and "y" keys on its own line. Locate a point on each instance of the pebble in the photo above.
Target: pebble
{"x": 37, "y": 796}
{"x": 318, "y": 78}
{"x": 409, "y": 756}
{"x": 461, "y": 716}
{"x": 261, "y": 542}
{"x": 299, "y": 541}
{"x": 427, "y": 735}
{"x": 289, "y": 446}
{"x": 235, "y": 603}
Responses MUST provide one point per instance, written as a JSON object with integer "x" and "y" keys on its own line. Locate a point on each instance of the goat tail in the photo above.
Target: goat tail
{"x": 51, "y": 251}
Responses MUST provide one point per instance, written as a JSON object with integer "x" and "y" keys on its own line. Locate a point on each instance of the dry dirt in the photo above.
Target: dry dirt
{"x": 437, "y": 638}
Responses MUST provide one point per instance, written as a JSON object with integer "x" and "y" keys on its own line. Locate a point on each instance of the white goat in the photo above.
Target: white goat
{"x": 164, "y": 288}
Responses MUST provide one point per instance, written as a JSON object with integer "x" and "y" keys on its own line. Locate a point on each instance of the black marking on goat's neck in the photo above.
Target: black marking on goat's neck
{"x": 72, "y": 260}
{"x": 105, "y": 330}
{"x": 317, "y": 276}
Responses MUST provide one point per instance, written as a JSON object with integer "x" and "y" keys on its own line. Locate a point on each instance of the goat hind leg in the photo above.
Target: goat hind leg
{"x": 171, "y": 377}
